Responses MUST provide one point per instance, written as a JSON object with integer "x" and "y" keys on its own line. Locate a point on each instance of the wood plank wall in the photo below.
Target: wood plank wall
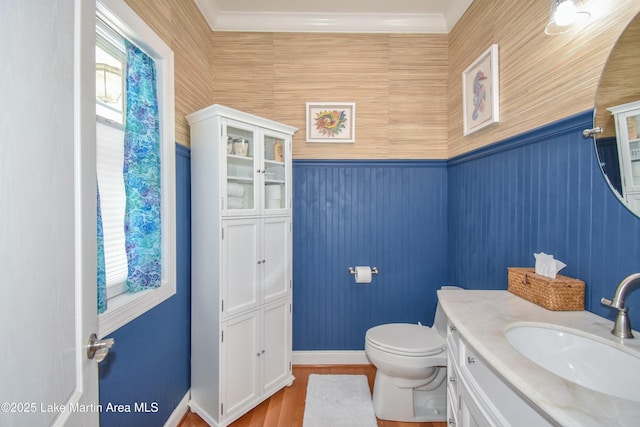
{"x": 398, "y": 82}
{"x": 542, "y": 78}
{"x": 620, "y": 82}
{"x": 181, "y": 25}
{"x": 407, "y": 87}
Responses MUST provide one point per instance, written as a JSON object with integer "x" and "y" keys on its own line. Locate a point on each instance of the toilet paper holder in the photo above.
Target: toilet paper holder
{"x": 374, "y": 270}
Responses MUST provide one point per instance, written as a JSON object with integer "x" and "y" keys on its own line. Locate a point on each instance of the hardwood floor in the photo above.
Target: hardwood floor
{"x": 286, "y": 407}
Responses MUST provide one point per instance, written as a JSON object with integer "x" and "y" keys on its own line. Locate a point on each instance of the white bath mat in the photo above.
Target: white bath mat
{"x": 338, "y": 401}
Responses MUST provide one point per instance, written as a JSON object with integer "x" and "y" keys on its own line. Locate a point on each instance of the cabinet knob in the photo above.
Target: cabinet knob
{"x": 452, "y": 422}
{"x": 471, "y": 359}
{"x": 259, "y": 262}
{"x": 452, "y": 328}
{"x": 452, "y": 379}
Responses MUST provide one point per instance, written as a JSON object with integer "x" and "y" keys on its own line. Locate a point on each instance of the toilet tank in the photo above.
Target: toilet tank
{"x": 440, "y": 319}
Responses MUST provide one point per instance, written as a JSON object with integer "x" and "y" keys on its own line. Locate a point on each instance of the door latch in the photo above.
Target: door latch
{"x": 98, "y": 349}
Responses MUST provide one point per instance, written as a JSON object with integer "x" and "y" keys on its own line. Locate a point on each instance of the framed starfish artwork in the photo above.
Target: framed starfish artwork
{"x": 333, "y": 122}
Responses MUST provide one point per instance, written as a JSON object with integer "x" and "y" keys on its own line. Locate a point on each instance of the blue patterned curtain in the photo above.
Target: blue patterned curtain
{"x": 142, "y": 173}
{"x": 102, "y": 282}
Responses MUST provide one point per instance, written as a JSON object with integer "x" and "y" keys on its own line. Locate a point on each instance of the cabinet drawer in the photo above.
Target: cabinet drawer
{"x": 505, "y": 406}
{"x": 452, "y": 409}
{"x": 452, "y": 376}
{"x": 453, "y": 340}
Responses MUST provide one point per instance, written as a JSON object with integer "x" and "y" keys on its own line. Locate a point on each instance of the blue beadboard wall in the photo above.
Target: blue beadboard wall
{"x": 388, "y": 214}
{"x": 461, "y": 222}
{"x": 540, "y": 191}
{"x": 150, "y": 362}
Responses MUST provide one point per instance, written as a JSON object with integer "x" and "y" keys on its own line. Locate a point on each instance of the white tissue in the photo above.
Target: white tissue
{"x": 547, "y": 266}
{"x": 273, "y": 192}
{"x": 363, "y": 274}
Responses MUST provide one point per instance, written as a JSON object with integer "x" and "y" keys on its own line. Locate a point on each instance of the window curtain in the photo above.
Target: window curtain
{"x": 142, "y": 173}
{"x": 102, "y": 278}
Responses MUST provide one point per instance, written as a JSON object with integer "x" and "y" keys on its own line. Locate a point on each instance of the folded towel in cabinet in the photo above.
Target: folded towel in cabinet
{"x": 235, "y": 190}
{"x": 235, "y": 202}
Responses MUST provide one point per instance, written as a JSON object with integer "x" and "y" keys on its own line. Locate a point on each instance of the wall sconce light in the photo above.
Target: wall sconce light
{"x": 566, "y": 15}
{"x": 108, "y": 83}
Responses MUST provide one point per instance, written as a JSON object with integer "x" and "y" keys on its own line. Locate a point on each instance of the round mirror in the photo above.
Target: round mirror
{"x": 617, "y": 112}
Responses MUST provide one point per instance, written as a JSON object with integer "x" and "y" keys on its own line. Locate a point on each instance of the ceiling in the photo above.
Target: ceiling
{"x": 351, "y": 16}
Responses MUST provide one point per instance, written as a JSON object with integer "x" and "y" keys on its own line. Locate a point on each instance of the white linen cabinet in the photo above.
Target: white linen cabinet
{"x": 241, "y": 272}
{"x": 627, "y": 119}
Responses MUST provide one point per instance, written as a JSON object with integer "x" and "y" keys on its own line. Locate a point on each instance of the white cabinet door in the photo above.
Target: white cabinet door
{"x": 276, "y": 345}
{"x": 470, "y": 414}
{"x": 241, "y": 262}
{"x": 276, "y": 167}
{"x": 240, "y": 380}
{"x": 276, "y": 243}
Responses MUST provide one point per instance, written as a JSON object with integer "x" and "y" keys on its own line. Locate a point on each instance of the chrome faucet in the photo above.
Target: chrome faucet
{"x": 622, "y": 327}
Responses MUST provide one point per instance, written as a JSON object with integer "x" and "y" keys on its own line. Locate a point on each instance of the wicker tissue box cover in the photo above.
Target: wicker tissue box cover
{"x": 560, "y": 294}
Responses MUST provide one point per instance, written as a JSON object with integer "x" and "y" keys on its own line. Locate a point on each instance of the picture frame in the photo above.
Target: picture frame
{"x": 331, "y": 122}
{"x": 481, "y": 92}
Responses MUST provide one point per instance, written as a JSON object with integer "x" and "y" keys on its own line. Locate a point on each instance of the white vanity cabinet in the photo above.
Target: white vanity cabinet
{"x": 477, "y": 396}
{"x": 627, "y": 120}
{"x": 241, "y": 271}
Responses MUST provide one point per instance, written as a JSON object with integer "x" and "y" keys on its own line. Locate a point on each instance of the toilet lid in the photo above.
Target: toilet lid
{"x": 406, "y": 338}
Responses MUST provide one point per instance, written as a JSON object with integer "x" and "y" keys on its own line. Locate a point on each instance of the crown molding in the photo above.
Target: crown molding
{"x": 332, "y": 23}
{"x": 320, "y": 22}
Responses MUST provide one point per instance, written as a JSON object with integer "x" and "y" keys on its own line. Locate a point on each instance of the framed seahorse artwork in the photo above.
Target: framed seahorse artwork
{"x": 481, "y": 92}
{"x": 333, "y": 122}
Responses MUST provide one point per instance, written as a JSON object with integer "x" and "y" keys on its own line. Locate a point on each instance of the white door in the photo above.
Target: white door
{"x": 241, "y": 262}
{"x": 240, "y": 356}
{"x": 276, "y": 344}
{"x": 276, "y": 249}
{"x": 47, "y": 214}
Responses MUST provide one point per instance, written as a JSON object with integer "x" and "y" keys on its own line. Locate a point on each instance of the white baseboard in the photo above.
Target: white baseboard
{"x": 330, "y": 357}
{"x": 179, "y": 411}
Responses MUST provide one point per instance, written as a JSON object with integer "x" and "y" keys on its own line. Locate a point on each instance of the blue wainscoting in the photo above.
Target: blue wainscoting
{"x": 388, "y": 214}
{"x": 150, "y": 362}
{"x": 540, "y": 191}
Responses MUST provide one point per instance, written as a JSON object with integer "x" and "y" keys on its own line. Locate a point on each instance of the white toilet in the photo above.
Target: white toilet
{"x": 411, "y": 362}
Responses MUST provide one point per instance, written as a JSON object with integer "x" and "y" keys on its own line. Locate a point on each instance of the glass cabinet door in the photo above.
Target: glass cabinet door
{"x": 241, "y": 168}
{"x": 276, "y": 182}
{"x": 633, "y": 122}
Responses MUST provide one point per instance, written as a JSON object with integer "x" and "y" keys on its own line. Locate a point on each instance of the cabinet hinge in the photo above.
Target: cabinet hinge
{"x": 290, "y": 224}
{"x": 221, "y": 409}
{"x": 222, "y": 233}
{"x": 290, "y": 309}
{"x": 222, "y": 336}
{"x": 289, "y": 365}
{"x": 222, "y": 306}
{"x": 290, "y": 283}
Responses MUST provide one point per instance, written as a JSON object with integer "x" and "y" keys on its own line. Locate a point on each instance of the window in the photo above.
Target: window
{"x": 123, "y": 41}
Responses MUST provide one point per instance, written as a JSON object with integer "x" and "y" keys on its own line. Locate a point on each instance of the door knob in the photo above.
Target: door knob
{"x": 98, "y": 349}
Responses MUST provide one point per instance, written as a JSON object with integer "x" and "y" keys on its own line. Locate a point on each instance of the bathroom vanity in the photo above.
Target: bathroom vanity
{"x": 491, "y": 383}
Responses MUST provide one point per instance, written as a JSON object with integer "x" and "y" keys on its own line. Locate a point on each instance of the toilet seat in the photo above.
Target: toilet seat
{"x": 406, "y": 339}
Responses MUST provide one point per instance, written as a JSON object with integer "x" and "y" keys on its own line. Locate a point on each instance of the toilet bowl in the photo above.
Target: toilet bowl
{"x": 411, "y": 367}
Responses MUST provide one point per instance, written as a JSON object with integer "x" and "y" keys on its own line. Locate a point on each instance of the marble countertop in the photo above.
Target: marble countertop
{"x": 482, "y": 317}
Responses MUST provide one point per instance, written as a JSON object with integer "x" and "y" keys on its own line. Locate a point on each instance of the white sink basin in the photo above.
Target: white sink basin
{"x": 582, "y": 359}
